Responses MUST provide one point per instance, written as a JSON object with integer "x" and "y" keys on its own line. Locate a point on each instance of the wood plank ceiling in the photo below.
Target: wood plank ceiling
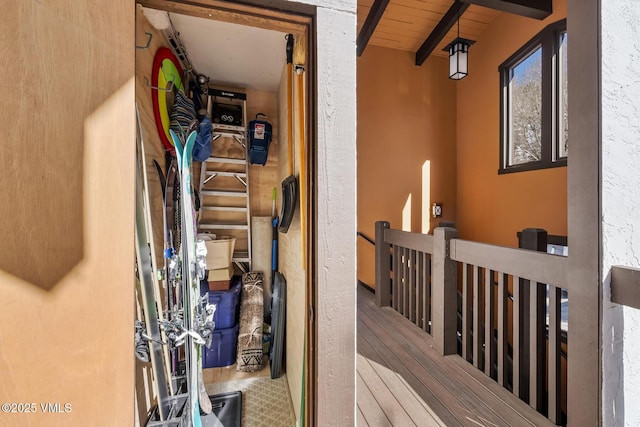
{"x": 405, "y": 24}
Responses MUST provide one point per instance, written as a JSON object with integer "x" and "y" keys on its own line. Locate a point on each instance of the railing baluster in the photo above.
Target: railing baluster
{"x": 517, "y": 345}
{"x": 502, "y": 325}
{"x": 477, "y": 341}
{"x": 555, "y": 316}
{"x": 537, "y": 354}
{"x": 401, "y": 281}
{"x": 405, "y": 275}
{"x": 396, "y": 276}
{"x": 489, "y": 312}
{"x": 399, "y": 288}
{"x": 412, "y": 285}
{"x": 524, "y": 328}
{"x": 424, "y": 309}
{"x": 467, "y": 349}
{"x": 419, "y": 289}
{"x": 405, "y": 282}
{"x": 428, "y": 292}
{"x": 383, "y": 266}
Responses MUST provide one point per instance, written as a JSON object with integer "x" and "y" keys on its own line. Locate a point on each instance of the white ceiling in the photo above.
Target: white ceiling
{"x": 232, "y": 54}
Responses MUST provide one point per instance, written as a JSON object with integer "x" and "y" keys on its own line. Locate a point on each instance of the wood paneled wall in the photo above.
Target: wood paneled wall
{"x": 66, "y": 261}
{"x": 262, "y": 179}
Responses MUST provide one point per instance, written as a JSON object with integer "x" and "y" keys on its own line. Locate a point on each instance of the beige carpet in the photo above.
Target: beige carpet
{"x": 265, "y": 402}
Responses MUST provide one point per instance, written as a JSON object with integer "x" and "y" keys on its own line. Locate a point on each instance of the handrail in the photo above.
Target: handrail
{"x": 533, "y": 265}
{"x": 365, "y": 237}
{"x": 625, "y": 286}
{"x": 415, "y": 241}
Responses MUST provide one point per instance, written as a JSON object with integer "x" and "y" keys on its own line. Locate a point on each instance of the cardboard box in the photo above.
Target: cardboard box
{"x": 220, "y": 252}
{"x": 221, "y": 273}
{"x": 220, "y": 279}
{"x": 219, "y": 285}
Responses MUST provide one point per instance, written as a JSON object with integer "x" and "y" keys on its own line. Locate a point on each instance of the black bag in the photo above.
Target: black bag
{"x": 259, "y": 140}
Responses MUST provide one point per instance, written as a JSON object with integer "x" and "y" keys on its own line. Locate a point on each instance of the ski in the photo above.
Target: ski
{"x": 170, "y": 260}
{"x": 146, "y": 204}
{"x": 190, "y": 281}
{"x": 145, "y": 289}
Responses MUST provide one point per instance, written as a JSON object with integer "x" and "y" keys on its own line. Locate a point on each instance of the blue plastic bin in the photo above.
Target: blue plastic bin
{"x": 226, "y": 315}
{"x": 223, "y": 348}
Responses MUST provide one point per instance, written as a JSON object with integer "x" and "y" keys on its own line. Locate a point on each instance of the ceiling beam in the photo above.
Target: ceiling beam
{"x": 538, "y": 9}
{"x": 369, "y": 26}
{"x": 448, "y": 20}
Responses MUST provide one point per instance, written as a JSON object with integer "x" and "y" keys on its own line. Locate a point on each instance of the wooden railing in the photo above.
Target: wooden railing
{"x": 514, "y": 344}
{"x": 409, "y": 289}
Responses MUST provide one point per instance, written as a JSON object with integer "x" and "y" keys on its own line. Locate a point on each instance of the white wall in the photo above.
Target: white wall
{"x": 336, "y": 210}
{"x": 620, "y": 205}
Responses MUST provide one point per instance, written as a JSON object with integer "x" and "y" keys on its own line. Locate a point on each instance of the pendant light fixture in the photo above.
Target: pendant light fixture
{"x": 458, "y": 51}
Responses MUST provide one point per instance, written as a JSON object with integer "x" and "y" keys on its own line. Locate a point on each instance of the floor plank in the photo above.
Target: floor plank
{"x": 361, "y": 421}
{"x": 372, "y": 412}
{"x": 441, "y": 386}
{"x": 387, "y": 400}
{"x": 438, "y": 396}
{"x": 477, "y": 410}
{"x": 418, "y": 379}
{"x": 413, "y": 405}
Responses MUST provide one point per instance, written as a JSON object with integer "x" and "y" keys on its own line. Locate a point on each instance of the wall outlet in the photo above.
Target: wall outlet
{"x": 437, "y": 210}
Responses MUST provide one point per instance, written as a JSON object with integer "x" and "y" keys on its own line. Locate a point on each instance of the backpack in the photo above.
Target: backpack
{"x": 260, "y": 132}
{"x": 202, "y": 147}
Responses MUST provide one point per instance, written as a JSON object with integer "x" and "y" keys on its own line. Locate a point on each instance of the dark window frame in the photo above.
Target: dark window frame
{"x": 548, "y": 39}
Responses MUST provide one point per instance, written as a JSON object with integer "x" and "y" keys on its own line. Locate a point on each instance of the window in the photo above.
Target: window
{"x": 533, "y": 83}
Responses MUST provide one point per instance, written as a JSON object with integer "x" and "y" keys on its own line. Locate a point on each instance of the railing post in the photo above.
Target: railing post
{"x": 535, "y": 324}
{"x": 444, "y": 273}
{"x": 383, "y": 266}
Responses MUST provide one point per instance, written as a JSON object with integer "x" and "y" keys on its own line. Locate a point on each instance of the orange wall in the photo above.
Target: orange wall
{"x": 406, "y": 116}
{"x": 492, "y": 207}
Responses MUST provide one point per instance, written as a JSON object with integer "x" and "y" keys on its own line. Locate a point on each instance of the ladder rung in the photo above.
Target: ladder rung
{"x": 232, "y": 128}
{"x": 222, "y": 226}
{"x": 241, "y": 256}
{"x": 220, "y": 173}
{"x": 223, "y": 208}
{"x": 226, "y": 134}
{"x": 222, "y": 193}
{"x": 227, "y": 160}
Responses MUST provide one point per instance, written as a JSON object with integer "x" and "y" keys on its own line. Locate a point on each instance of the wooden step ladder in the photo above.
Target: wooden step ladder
{"x": 224, "y": 182}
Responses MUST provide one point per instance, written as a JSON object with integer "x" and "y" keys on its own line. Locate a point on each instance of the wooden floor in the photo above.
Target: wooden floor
{"x": 402, "y": 381}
